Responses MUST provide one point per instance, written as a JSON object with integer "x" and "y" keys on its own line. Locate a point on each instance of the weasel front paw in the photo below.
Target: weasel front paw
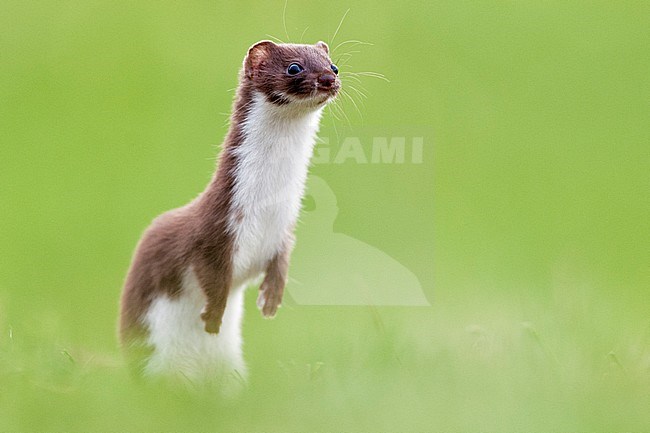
{"x": 212, "y": 321}
{"x": 268, "y": 301}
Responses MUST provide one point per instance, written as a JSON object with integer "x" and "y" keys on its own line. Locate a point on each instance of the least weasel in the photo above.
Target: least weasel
{"x": 182, "y": 303}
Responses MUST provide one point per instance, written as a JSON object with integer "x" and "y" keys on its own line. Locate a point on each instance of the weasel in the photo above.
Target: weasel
{"x": 182, "y": 302}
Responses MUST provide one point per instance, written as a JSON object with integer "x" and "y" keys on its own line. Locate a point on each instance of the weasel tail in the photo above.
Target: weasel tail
{"x": 182, "y": 303}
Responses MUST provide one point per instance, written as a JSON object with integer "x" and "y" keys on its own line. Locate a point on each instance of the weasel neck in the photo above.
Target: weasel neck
{"x": 269, "y": 174}
{"x": 272, "y": 158}
{"x": 276, "y": 134}
{"x": 265, "y": 157}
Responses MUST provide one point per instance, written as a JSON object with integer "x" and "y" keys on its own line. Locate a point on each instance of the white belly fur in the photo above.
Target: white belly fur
{"x": 269, "y": 182}
{"x": 181, "y": 347}
{"x": 272, "y": 163}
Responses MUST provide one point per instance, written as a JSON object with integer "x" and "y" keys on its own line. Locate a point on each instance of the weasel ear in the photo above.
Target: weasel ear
{"x": 323, "y": 46}
{"x": 256, "y": 56}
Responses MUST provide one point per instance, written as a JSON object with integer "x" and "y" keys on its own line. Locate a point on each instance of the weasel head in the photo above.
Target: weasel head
{"x": 292, "y": 75}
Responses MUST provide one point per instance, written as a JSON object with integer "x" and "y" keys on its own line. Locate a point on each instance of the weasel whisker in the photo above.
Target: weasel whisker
{"x": 339, "y": 26}
{"x": 284, "y": 19}
{"x": 351, "y": 41}
{"x": 275, "y": 38}
{"x": 303, "y": 34}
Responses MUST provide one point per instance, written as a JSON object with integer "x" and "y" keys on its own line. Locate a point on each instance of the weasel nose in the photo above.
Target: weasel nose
{"x": 326, "y": 80}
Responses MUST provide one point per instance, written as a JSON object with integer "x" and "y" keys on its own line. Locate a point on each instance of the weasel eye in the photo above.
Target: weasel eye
{"x": 335, "y": 69}
{"x": 294, "y": 69}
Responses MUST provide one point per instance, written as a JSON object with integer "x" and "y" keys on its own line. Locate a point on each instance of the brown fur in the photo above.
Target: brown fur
{"x": 196, "y": 235}
{"x": 276, "y": 278}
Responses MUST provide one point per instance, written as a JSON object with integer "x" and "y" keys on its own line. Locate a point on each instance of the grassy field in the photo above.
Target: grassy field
{"x": 525, "y": 222}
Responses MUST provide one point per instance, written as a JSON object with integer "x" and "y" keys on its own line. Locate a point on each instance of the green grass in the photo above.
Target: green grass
{"x": 498, "y": 366}
{"x": 526, "y": 222}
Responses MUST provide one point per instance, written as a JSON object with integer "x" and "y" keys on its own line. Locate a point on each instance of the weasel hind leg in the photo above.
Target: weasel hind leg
{"x": 184, "y": 351}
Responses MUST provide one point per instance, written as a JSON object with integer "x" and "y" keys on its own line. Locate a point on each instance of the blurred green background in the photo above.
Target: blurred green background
{"x": 526, "y": 223}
